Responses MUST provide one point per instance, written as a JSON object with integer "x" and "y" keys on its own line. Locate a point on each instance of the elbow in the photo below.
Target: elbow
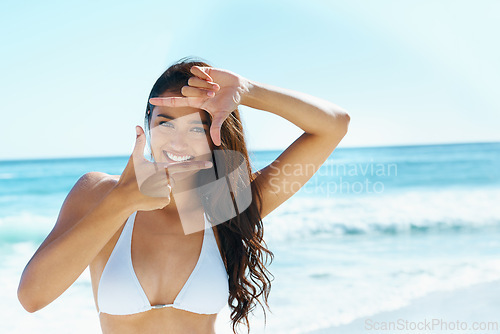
{"x": 337, "y": 126}
{"x": 25, "y": 303}
{"x": 341, "y": 123}
{"x": 346, "y": 119}
{"x": 26, "y": 299}
{"x": 343, "y": 116}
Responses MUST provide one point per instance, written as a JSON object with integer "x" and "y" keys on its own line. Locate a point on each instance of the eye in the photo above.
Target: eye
{"x": 166, "y": 124}
{"x": 198, "y": 129}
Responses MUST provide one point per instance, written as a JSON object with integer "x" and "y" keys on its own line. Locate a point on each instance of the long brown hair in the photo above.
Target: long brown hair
{"x": 244, "y": 250}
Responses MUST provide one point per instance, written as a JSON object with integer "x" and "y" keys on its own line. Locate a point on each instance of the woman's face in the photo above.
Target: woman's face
{"x": 180, "y": 134}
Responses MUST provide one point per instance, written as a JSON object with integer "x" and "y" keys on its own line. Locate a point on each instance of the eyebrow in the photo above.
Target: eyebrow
{"x": 192, "y": 122}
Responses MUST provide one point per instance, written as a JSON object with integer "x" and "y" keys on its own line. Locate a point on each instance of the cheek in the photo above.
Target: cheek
{"x": 209, "y": 141}
{"x": 156, "y": 142}
{"x": 205, "y": 145}
{"x": 159, "y": 136}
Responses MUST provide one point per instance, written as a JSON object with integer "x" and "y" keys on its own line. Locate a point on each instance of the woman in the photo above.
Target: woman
{"x": 195, "y": 251}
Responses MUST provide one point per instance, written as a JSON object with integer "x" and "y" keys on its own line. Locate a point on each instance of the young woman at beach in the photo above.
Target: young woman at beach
{"x": 163, "y": 279}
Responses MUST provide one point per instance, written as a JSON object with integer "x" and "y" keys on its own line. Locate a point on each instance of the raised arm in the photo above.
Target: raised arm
{"x": 313, "y": 115}
{"x": 324, "y": 125}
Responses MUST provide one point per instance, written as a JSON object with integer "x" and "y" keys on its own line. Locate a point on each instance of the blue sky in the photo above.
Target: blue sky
{"x": 75, "y": 76}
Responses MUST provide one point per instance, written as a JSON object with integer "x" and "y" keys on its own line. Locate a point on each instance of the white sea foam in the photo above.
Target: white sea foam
{"x": 409, "y": 211}
{"x": 302, "y": 217}
{"x": 25, "y": 226}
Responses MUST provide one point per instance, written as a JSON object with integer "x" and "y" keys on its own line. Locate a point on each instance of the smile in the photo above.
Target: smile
{"x": 177, "y": 158}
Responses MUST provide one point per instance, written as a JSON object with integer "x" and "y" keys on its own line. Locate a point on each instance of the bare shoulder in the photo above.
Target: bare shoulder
{"x": 87, "y": 192}
{"x": 96, "y": 181}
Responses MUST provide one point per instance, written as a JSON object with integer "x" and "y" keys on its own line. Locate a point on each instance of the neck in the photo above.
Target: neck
{"x": 186, "y": 201}
{"x": 185, "y": 206}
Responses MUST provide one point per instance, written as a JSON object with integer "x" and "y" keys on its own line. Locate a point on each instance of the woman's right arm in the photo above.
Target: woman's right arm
{"x": 91, "y": 214}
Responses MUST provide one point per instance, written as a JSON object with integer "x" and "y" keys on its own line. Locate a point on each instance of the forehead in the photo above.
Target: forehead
{"x": 179, "y": 113}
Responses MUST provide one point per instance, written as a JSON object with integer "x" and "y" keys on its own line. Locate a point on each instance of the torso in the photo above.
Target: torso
{"x": 162, "y": 262}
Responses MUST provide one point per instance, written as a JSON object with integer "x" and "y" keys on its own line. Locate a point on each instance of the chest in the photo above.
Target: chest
{"x": 161, "y": 263}
{"x": 164, "y": 263}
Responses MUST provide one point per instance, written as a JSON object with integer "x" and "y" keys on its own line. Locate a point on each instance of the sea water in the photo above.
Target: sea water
{"x": 372, "y": 230}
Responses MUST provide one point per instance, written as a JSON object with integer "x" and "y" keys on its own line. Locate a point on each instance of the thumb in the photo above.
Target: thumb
{"x": 140, "y": 143}
{"x": 215, "y": 130}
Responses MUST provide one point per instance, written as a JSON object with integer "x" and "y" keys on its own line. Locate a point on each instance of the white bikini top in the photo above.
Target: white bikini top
{"x": 206, "y": 291}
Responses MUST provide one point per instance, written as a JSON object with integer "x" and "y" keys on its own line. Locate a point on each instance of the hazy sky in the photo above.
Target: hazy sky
{"x": 75, "y": 76}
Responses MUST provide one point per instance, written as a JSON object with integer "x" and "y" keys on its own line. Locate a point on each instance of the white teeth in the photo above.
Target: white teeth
{"x": 178, "y": 158}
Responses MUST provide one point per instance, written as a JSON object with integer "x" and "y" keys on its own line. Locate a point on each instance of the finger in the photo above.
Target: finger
{"x": 199, "y": 83}
{"x": 185, "y": 167}
{"x": 140, "y": 143}
{"x": 215, "y": 130}
{"x": 196, "y": 92}
{"x": 201, "y": 72}
{"x": 180, "y": 167}
{"x": 169, "y": 101}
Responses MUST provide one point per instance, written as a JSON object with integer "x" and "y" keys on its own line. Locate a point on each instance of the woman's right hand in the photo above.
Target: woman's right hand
{"x": 146, "y": 185}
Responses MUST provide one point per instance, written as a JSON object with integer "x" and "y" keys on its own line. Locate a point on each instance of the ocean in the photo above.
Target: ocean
{"x": 373, "y": 230}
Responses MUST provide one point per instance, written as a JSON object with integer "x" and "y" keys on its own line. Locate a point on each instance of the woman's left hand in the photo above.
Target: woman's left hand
{"x": 217, "y": 91}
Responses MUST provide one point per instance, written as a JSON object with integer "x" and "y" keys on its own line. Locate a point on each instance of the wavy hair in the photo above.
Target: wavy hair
{"x": 244, "y": 250}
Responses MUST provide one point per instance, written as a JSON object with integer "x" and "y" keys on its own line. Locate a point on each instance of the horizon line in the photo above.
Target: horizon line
{"x": 249, "y": 151}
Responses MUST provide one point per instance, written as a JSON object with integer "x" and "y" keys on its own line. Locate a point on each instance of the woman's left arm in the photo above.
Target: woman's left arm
{"x": 311, "y": 114}
{"x": 324, "y": 125}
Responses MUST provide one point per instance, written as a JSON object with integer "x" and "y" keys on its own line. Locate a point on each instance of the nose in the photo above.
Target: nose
{"x": 178, "y": 142}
